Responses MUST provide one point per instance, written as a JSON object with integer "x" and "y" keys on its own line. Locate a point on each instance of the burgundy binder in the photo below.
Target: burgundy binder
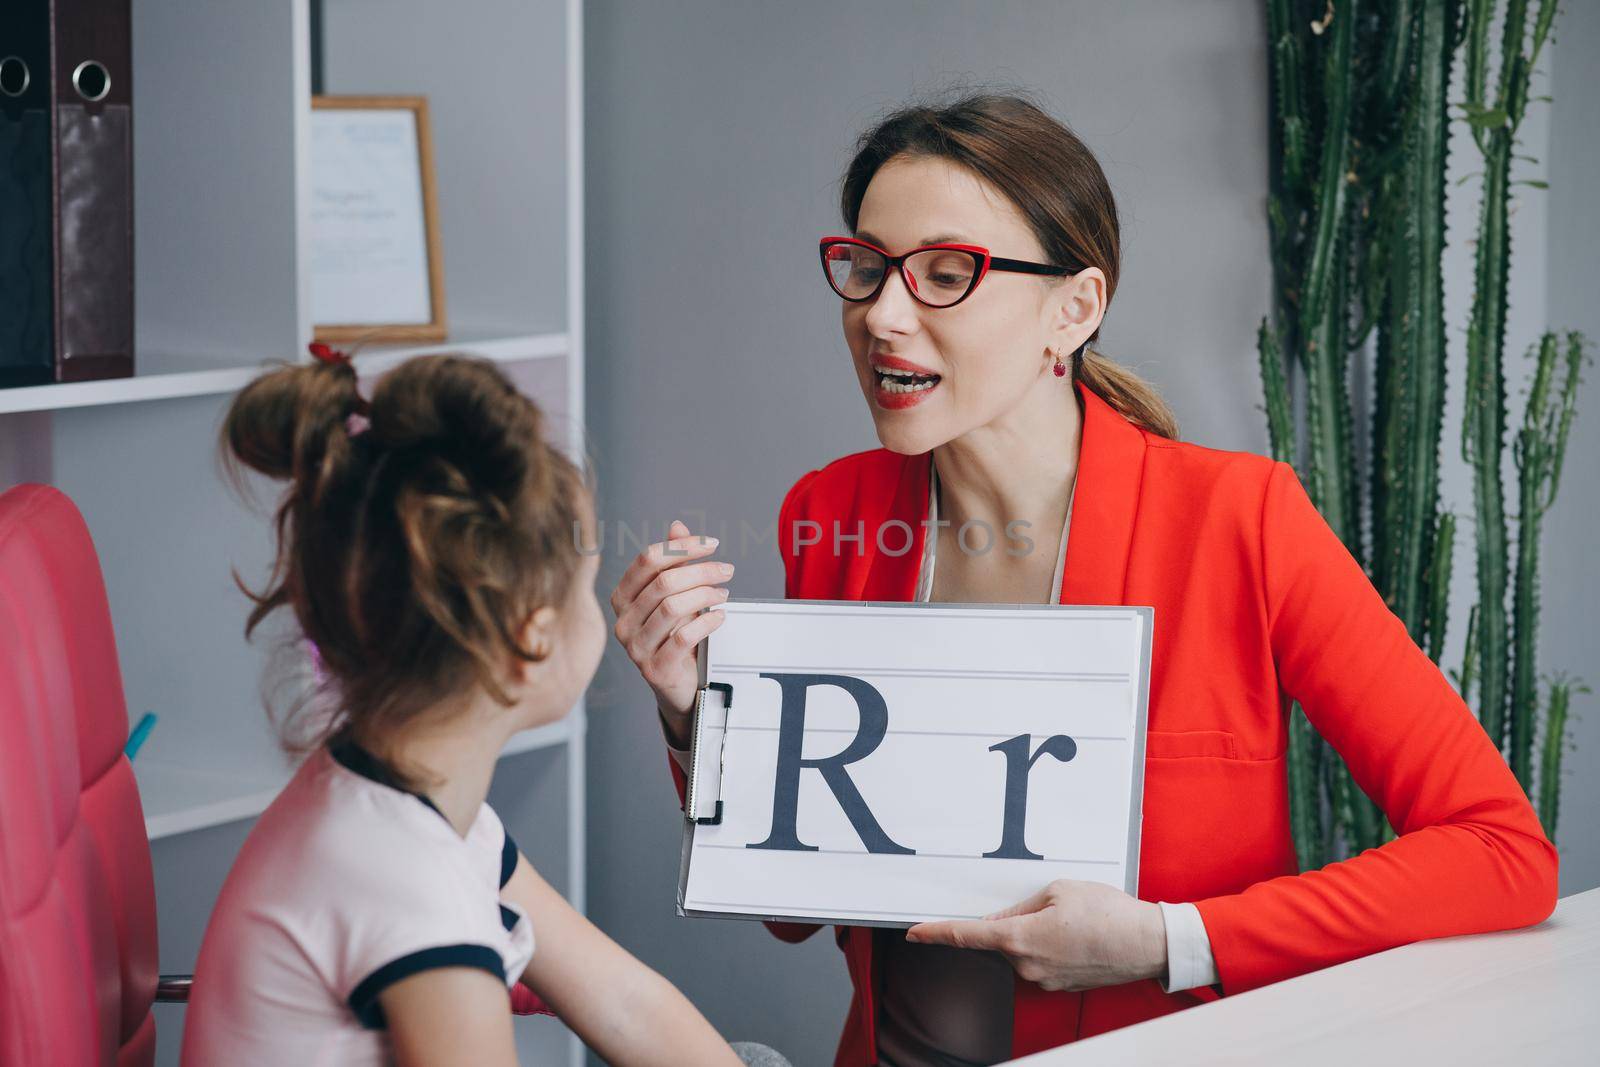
{"x": 92, "y": 85}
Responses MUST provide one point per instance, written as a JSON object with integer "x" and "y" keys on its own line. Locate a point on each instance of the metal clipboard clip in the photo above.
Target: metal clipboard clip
{"x": 703, "y": 799}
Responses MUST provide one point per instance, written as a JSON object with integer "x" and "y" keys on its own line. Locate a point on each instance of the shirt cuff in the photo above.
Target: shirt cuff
{"x": 1190, "y": 963}
{"x": 680, "y": 756}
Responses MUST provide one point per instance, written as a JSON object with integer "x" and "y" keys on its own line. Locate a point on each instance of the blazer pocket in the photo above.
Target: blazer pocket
{"x": 1187, "y": 744}
{"x": 1213, "y": 822}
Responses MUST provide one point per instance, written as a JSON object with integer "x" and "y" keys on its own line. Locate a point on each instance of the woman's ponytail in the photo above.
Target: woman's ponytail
{"x": 1128, "y": 394}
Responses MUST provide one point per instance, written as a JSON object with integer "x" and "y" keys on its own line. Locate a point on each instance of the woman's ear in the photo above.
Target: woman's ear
{"x": 537, "y": 638}
{"x": 1077, "y": 305}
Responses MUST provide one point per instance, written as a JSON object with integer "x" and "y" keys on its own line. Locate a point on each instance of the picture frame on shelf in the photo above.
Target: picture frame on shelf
{"x": 375, "y": 263}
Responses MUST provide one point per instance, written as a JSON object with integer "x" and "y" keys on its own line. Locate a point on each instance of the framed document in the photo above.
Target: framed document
{"x": 885, "y": 764}
{"x": 376, "y": 270}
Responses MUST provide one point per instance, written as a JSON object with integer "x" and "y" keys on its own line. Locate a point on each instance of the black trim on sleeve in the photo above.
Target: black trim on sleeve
{"x": 508, "y": 918}
{"x": 364, "y": 1001}
{"x": 508, "y": 860}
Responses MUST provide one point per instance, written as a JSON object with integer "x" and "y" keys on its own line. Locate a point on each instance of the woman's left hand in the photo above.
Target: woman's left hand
{"x": 1068, "y": 936}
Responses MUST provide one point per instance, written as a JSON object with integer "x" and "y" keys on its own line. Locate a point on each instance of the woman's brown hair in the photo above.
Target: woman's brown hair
{"x": 1052, "y": 178}
{"x": 410, "y": 550}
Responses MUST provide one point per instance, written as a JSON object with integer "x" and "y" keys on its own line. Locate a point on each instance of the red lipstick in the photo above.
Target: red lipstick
{"x": 898, "y": 391}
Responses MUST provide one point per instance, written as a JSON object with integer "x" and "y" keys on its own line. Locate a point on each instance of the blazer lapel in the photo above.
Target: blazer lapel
{"x": 1104, "y": 506}
{"x": 894, "y": 577}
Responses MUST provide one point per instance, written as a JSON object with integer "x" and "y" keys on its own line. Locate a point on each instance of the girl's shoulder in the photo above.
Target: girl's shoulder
{"x": 345, "y": 886}
{"x": 336, "y": 835}
{"x": 354, "y": 871}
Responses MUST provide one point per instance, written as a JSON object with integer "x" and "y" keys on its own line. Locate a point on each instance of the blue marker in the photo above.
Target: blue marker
{"x": 140, "y": 732}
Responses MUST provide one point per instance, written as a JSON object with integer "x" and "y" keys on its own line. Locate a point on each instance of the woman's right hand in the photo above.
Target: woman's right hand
{"x": 658, "y": 604}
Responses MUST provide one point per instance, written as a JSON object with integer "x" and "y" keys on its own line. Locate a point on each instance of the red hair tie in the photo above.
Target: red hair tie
{"x": 328, "y": 354}
{"x": 357, "y": 422}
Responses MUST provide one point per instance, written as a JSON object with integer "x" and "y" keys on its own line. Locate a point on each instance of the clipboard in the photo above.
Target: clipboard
{"x": 905, "y": 796}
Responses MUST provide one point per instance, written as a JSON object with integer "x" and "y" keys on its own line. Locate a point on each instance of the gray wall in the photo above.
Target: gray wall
{"x": 717, "y": 373}
{"x": 1572, "y": 574}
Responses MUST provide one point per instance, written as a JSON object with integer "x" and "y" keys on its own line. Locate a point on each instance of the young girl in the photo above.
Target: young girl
{"x": 378, "y": 912}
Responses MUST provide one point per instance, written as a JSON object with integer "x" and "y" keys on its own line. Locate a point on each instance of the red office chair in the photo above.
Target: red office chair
{"x": 77, "y": 898}
{"x": 77, "y": 902}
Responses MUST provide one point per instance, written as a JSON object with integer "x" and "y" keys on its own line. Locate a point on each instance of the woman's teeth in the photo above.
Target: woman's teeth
{"x": 899, "y": 382}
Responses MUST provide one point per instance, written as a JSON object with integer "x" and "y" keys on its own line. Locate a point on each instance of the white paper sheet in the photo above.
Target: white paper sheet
{"x": 959, "y": 685}
{"x": 369, "y": 247}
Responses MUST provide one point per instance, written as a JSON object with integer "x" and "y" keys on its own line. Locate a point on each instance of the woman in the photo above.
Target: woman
{"x": 992, "y": 409}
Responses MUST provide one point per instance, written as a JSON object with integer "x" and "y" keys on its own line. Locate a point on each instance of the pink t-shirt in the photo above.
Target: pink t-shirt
{"x": 347, "y": 884}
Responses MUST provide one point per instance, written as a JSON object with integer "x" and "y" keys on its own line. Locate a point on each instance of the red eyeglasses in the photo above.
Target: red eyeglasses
{"x": 939, "y": 276}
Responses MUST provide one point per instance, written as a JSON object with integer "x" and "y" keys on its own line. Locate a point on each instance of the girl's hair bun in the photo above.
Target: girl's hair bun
{"x": 290, "y": 422}
{"x": 465, "y": 412}
{"x": 412, "y": 553}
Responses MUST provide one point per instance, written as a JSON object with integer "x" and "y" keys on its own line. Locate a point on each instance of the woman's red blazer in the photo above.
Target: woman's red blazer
{"x": 1257, "y": 602}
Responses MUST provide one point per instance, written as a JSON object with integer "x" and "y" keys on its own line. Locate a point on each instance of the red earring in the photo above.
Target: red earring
{"x": 1060, "y": 367}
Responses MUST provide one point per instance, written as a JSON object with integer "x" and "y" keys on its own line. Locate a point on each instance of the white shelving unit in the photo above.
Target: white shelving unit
{"x": 170, "y": 377}
{"x": 222, "y": 121}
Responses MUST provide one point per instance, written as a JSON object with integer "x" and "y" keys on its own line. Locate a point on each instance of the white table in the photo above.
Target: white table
{"x": 1527, "y": 996}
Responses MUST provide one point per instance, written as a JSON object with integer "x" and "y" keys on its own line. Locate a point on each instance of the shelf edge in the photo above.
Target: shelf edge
{"x": 234, "y": 809}
{"x": 175, "y": 385}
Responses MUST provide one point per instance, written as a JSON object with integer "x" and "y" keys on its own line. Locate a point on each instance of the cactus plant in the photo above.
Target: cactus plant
{"x": 1541, "y": 447}
{"x": 1356, "y": 218}
{"x": 1494, "y": 125}
{"x": 1506, "y": 647}
{"x": 1555, "y": 743}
